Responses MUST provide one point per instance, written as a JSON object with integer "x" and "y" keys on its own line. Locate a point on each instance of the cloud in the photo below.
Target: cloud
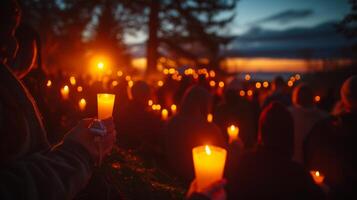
{"x": 285, "y": 17}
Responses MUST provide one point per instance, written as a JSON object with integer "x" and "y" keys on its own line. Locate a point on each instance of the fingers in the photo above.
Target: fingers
{"x": 109, "y": 124}
{"x": 215, "y": 187}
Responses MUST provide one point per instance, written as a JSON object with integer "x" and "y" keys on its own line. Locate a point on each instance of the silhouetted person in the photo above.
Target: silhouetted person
{"x": 278, "y": 93}
{"x": 29, "y": 167}
{"x": 138, "y": 127}
{"x": 305, "y": 115}
{"x": 240, "y": 112}
{"x": 268, "y": 172}
{"x": 188, "y": 129}
{"x": 331, "y": 146}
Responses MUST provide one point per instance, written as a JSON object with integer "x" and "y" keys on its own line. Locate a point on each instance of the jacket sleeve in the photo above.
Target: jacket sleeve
{"x": 57, "y": 174}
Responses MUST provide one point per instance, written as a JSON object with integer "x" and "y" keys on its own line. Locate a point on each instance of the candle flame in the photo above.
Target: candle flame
{"x": 72, "y": 80}
{"x": 100, "y": 65}
{"x": 150, "y": 102}
{"x": 258, "y": 85}
{"x": 209, "y": 117}
{"x": 221, "y": 84}
{"x": 208, "y": 150}
{"x": 49, "y": 83}
{"x": 79, "y": 88}
{"x": 317, "y": 173}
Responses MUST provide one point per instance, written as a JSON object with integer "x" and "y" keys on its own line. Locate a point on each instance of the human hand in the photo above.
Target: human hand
{"x": 215, "y": 191}
{"x": 82, "y": 134}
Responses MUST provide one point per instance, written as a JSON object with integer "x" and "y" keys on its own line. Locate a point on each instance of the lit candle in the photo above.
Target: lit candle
{"x": 164, "y": 114}
{"x": 233, "y": 132}
{"x": 210, "y": 117}
{"x": 209, "y": 164}
{"x": 317, "y": 176}
{"x": 150, "y": 102}
{"x": 82, "y": 104}
{"x": 258, "y": 85}
{"x": 72, "y": 80}
{"x": 79, "y": 89}
{"x": 173, "y": 108}
{"x": 105, "y": 105}
{"x": 65, "y": 92}
{"x": 49, "y": 83}
{"x": 317, "y": 98}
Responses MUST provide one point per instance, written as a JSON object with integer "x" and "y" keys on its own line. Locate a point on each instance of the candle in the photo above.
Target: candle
{"x": 221, "y": 84}
{"x": 65, "y": 92}
{"x": 317, "y": 98}
{"x": 173, "y": 108}
{"x": 164, "y": 114}
{"x": 82, "y": 104}
{"x": 258, "y": 85}
{"x": 209, "y": 164}
{"x": 79, "y": 89}
{"x": 210, "y": 117}
{"x": 105, "y": 105}
{"x": 72, "y": 80}
{"x": 233, "y": 132}
{"x": 150, "y": 102}
{"x": 265, "y": 84}
{"x": 49, "y": 83}
{"x": 317, "y": 176}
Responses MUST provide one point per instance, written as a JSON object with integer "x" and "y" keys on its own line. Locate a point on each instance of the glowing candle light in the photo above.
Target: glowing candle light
{"x": 65, "y": 92}
{"x": 173, "y": 109}
{"x": 100, "y": 65}
{"x": 212, "y": 73}
{"x": 221, "y": 84}
{"x": 212, "y": 83}
{"x": 82, "y": 104}
{"x": 265, "y": 84}
{"x": 317, "y": 176}
{"x": 297, "y": 77}
{"x": 164, "y": 114}
{"x": 160, "y": 83}
{"x": 290, "y": 83}
{"x": 247, "y": 77}
{"x": 79, "y": 89}
{"x": 233, "y": 132}
{"x": 72, "y": 80}
{"x": 250, "y": 93}
{"x": 114, "y": 83}
{"x": 166, "y": 71}
{"x": 258, "y": 85}
{"x": 105, "y": 105}
{"x": 49, "y": 83}
{"x": 150, "y": 102}
{"x": 131, "y": 84}
{"x": 119, "y": 73}
{"x": 209, "y": 162}
{"x": 210, "y": 117}
{"x": 128, "y": 78}
{"x": 317, "y": 98}
{"x": 242, "y": 93}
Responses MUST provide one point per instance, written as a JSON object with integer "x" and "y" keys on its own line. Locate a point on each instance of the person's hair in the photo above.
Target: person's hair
{"x": 140, "y": 91}
{"x": 276, "y": 129}
{"x": 349, "y": 93}
{"x": 303, "y": 95}
{"x": 196, "y": 101}
{"x": 9, "y": 15}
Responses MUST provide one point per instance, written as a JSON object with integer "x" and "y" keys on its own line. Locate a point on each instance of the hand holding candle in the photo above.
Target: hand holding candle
{"x": 209, "y": 164}
{"x": 233, "y": 132}
{"x": 105, "y": 105}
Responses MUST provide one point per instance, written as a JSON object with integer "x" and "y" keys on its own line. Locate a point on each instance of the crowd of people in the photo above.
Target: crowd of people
{"x": 284, "y": 137}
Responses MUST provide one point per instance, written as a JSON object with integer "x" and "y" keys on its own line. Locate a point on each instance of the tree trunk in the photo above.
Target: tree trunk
{"x": 153, "y": 43}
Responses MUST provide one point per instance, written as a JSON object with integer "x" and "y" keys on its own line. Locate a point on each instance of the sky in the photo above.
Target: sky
{"x": 278, "y": 15}
{"x": 269, "y": 14}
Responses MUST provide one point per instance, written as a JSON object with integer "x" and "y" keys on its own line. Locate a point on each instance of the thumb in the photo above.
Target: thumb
{"x": 216, "y": 186}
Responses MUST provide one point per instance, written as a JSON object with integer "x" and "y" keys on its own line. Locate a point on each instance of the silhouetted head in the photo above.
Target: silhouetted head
{"x": 196, "y": 102}
{"x": 302, "y": 96}
{"x": 26, "y": 54}
{"x": 140, "y": 92}
{"x": 230, "y": 96}
{"x": 349, "y": 93}
{"x": 278, "y": 83}
{"x": 276, "y": 129}
{"x": 9, "y": 20}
